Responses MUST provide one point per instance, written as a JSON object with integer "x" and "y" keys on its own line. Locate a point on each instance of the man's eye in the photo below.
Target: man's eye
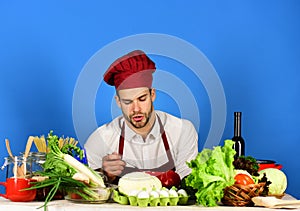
{"x": 127, "y": 102}
{"x": 142, "y": 98}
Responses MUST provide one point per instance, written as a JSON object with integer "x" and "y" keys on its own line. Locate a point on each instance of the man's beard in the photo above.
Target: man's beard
{"x": 139, "y": 124}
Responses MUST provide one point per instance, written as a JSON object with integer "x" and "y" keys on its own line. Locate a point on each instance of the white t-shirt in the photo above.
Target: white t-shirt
{"x": 149, "y": 153}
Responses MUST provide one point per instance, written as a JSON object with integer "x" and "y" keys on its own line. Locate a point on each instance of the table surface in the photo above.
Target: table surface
{"x": 64, "y": 205}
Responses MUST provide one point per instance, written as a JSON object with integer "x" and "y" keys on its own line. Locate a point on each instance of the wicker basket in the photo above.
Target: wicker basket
{"x": 240, "y": 195}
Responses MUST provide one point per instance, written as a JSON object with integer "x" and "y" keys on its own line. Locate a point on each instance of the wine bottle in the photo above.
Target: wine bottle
{"x": 239, "y": 143}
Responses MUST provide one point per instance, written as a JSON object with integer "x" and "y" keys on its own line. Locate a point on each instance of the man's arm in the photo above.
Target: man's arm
{"x": 187, "y": 148}
{"x": 100, "y": 148}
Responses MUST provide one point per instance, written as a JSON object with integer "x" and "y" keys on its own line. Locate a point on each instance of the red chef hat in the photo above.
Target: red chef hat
{"x": 131, "y": 71}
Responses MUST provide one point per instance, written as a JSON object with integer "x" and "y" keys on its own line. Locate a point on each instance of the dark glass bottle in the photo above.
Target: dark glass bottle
{"x": 239, "y": 143}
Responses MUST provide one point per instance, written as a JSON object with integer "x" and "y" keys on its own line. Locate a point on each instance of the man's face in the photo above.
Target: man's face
{"x": 136, "y": 105}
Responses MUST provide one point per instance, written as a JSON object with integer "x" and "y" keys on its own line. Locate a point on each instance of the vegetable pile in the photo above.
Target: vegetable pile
{"x": 212, "y": 171}
{"x": 216, "y": 170}
{"x": 65, "y": 173}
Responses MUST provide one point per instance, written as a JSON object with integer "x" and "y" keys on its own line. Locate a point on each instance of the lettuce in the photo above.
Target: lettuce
{"x": 212, "y": 171}
{"x": 277, "y": 178}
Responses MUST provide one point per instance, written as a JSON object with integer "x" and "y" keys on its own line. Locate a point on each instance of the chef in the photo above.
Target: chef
{"x": 142, "y": 139}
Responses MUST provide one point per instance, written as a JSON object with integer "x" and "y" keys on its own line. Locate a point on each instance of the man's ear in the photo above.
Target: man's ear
{"x": 153, "y": 94}
{"x": 118, "y": 101}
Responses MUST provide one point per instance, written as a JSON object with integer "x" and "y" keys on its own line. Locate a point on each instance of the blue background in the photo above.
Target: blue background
{"x": 253, "y": 45}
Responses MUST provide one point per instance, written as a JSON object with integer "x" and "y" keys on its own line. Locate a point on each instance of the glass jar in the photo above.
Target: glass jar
{"x": 37, "y": 159}
{"x": 17, "y": 166}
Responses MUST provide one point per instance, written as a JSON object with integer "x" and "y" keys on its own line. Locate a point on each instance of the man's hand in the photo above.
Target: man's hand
{"x": 113, "y": 165}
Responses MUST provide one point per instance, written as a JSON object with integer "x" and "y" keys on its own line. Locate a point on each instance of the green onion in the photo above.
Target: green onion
{"x": 60, "y": 166}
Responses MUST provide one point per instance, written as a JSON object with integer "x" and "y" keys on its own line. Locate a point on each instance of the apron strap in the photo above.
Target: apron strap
{"x": 165, "y": 141}
{"x": 121, "y": 140}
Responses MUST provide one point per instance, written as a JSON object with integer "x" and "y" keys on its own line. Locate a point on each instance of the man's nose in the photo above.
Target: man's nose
{"x": 136, "y": 105}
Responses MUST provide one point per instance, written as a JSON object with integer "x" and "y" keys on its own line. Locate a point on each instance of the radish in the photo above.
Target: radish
{"x": 56, "y": 154}
{"x": 83, "y": 169}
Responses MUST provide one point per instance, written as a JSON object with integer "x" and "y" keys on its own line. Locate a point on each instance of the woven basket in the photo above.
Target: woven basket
{"x": 240, "y": 195}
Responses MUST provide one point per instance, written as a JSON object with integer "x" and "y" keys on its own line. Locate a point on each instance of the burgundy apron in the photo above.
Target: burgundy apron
{"x": 165, "y": 167}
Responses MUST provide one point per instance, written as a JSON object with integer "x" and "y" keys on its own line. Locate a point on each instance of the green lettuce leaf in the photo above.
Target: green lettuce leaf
{"x": 212, "y": 171}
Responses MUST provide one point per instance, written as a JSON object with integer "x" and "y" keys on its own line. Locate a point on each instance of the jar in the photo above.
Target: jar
{"x": 37, "y": 159}
{"x": 17, "y": 166}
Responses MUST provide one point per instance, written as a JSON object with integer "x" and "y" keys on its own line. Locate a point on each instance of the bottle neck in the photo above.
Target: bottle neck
{"x": 237, "y": 124}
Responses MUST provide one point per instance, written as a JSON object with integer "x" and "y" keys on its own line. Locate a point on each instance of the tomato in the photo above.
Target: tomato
{"x": 168, "y": 179}
{"x": 74, "y": 196}
{"x": 243, "y": 179}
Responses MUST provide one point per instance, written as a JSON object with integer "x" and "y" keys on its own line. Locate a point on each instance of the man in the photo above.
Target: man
{"x": 142, "y": 139}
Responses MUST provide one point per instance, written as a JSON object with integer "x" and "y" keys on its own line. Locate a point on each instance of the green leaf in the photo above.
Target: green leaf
{"x": 212, "y": 171}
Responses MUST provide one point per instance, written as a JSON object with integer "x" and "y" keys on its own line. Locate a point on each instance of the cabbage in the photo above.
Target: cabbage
{"x": 138, "y": 181}
{"x": 277, "y": 178}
